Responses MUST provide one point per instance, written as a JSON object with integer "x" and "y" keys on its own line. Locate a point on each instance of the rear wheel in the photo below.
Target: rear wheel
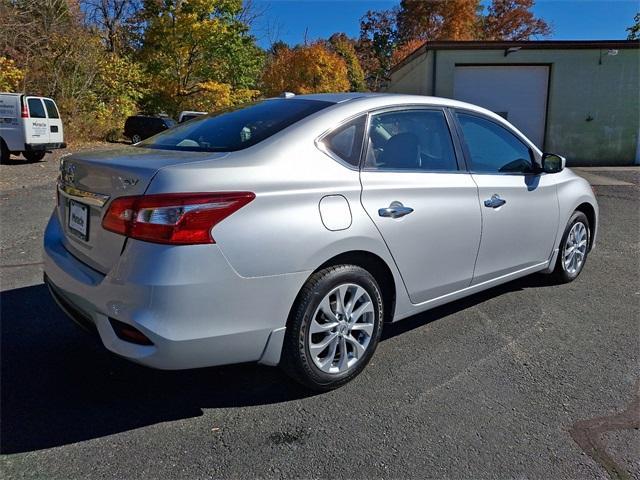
{"x": 334, "y": 327}
{"x": 574, "y": 248}
{"x": 34, "y": 156}
{"x": 136, "y": 138}
{"x": 4, "y": 152}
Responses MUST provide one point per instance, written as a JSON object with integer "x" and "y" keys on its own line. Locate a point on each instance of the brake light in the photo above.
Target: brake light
{"x": 25, "y": 111}
{"x": 176, "y": 218}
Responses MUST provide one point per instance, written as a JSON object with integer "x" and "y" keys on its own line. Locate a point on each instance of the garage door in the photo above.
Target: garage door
{"x": 518, "y": 93}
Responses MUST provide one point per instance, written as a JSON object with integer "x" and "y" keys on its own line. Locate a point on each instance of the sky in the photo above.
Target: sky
{"x": 294, "y": 20}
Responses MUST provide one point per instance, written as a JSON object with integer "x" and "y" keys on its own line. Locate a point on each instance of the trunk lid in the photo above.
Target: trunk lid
{"x": 90, "y": 180}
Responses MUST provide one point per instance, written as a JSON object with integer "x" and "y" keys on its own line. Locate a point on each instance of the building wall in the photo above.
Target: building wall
{"x": 593, "y": 115}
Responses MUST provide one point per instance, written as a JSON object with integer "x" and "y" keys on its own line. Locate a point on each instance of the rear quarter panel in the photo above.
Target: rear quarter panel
{"x": 281, "y": 230}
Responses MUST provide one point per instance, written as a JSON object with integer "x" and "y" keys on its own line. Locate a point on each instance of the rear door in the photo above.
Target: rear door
{"x": 36, "y": 126}
{"x": 519, "y": 204}
{"x": 422, "y": 201}
{"x": 55, "y": 122}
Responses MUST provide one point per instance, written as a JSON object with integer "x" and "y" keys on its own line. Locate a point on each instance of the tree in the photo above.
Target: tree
{"x": 305, "y": 69}
{"x": 513, "y": 20}
{"x": 115, "y": 21}
{"x": 344, "y": 46}
{"x": 190, "y": 42}
{"x": 378, "y": 39}
{"x": 10, "y": 75}
{"x": 443, "y": 20}
{"x": 634, "y": 30}
{"x": 460, "y": 20}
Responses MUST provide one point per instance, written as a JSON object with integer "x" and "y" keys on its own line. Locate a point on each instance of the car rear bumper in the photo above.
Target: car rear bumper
{"x": 38, "y": 147}
{"x": 187, "y": 300}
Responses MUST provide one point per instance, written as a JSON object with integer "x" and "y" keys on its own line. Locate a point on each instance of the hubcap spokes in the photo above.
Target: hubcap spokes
{"x": 575, "y": 248}
{"x": 341, "y": 328}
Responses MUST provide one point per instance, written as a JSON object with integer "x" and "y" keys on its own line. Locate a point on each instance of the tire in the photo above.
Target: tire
{"x": 303, "y": 357}
{"x": 576, "y": 239}
{"x": 4, "y": 152}
{"x": 135, "y": 138}
{"x": 34, "y": 156}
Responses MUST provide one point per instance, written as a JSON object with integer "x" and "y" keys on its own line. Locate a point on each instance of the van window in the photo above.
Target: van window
{"x": 52, "y": 111}
{"x": 235, "y": 128}
{"x": 36, "y": 109}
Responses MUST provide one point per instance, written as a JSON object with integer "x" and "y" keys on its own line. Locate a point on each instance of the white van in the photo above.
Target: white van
{"x": 29, "y": 125}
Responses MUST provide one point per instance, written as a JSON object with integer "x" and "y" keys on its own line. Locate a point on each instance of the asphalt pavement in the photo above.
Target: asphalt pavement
{"x": 527, "y": 380}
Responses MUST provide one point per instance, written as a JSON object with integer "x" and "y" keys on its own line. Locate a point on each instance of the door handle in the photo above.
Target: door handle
{"x": 495, "y": 201}
{"x": 395, "y": 210}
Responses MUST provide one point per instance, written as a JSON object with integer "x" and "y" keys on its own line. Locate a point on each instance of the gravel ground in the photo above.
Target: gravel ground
{"x": 526, "y": 380}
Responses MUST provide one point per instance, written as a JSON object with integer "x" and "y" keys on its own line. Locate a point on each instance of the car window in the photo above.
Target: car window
{"x": 417, "y": 140}
{"x": 169, "y": 122}
{"x": 493, "y": 148}
{"x": 346, "y": 141}
{"x": 52, "y": 111}
{"x": 235, "y": 128}
{"x": 36, "y": 109}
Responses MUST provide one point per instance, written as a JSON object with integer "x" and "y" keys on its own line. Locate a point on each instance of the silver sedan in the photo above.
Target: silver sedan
{"x": 288, "y": 231}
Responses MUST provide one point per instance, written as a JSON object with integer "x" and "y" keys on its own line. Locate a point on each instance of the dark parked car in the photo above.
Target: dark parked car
{"x": 139, "y": 127}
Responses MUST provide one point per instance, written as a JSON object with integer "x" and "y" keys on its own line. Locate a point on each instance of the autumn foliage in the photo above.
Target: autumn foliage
{"x": 305, "y": 69}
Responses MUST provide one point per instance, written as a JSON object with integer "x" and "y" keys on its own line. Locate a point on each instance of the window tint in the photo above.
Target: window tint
{"x": 410, "y": 140}
{"x": 493, "y": 148}
{"x": 36, "y": 109}
{"x": 235, "y": 128}
{"x": 52, "y": 111}
{"x": 346, "y": 141}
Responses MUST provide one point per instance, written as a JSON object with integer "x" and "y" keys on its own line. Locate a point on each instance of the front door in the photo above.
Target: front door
{"x": 519, "y": 204}
{"x": 423, "y": 204}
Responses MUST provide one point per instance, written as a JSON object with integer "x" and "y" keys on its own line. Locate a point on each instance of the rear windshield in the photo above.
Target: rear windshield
{"x": 235, "y": 128}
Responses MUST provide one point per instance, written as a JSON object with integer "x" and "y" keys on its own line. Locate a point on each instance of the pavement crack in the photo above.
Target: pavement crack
{"x": 588, "y": 435}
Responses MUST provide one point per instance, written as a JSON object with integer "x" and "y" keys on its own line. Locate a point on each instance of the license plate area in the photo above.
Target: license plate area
{"x": 78, "y": 220}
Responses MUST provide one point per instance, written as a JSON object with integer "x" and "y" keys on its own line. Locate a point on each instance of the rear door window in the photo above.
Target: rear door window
{"x": 36, "y": 109}
{"x": 413, "y": 140}
{"x": 52, "y": 110}
{"x": 235, "y": 128}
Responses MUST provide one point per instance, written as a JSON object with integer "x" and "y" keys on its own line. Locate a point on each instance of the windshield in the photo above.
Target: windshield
{"x": 235, "y": 128}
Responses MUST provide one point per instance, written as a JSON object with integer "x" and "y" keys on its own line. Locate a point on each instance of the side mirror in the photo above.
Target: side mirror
{"x": 552, "y": 163}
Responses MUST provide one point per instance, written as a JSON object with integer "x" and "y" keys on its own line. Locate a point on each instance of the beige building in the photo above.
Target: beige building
{"x": 580, "y": 99}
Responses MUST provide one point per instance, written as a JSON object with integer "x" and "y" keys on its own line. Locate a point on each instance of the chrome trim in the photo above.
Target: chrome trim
{"x": 89, "y": 198}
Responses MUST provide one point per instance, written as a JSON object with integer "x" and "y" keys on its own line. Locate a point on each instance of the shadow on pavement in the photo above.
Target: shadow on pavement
{"x": 59, "y": 385}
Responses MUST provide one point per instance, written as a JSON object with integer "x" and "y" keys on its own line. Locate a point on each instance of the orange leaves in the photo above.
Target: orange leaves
{"x": 305, "y": 69}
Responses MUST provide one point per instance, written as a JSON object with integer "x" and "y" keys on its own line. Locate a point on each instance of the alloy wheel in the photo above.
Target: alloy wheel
{"x": 341, "y": 328}
{"x": 575, "y": 248}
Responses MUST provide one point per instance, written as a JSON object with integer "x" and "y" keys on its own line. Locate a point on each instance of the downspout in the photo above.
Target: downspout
{"x": 637, "y": 161}
{"x": 433, "y": 73}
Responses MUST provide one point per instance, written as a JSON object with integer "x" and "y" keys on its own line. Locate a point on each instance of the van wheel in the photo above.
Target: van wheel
{"x": 4, "y": 152}
{"x": 34, "y": 156}
{"x": 334, "y": 327}
{"x": 135, "y": 139}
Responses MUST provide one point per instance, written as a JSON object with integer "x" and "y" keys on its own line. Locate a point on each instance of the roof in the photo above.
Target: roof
{"x": 521, "y": 44}
{"x": 331, "y": 97}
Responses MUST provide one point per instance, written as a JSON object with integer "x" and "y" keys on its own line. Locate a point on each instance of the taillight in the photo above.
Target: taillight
{"x": 175, "y": 218}
{"x": 25, "y": 111}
